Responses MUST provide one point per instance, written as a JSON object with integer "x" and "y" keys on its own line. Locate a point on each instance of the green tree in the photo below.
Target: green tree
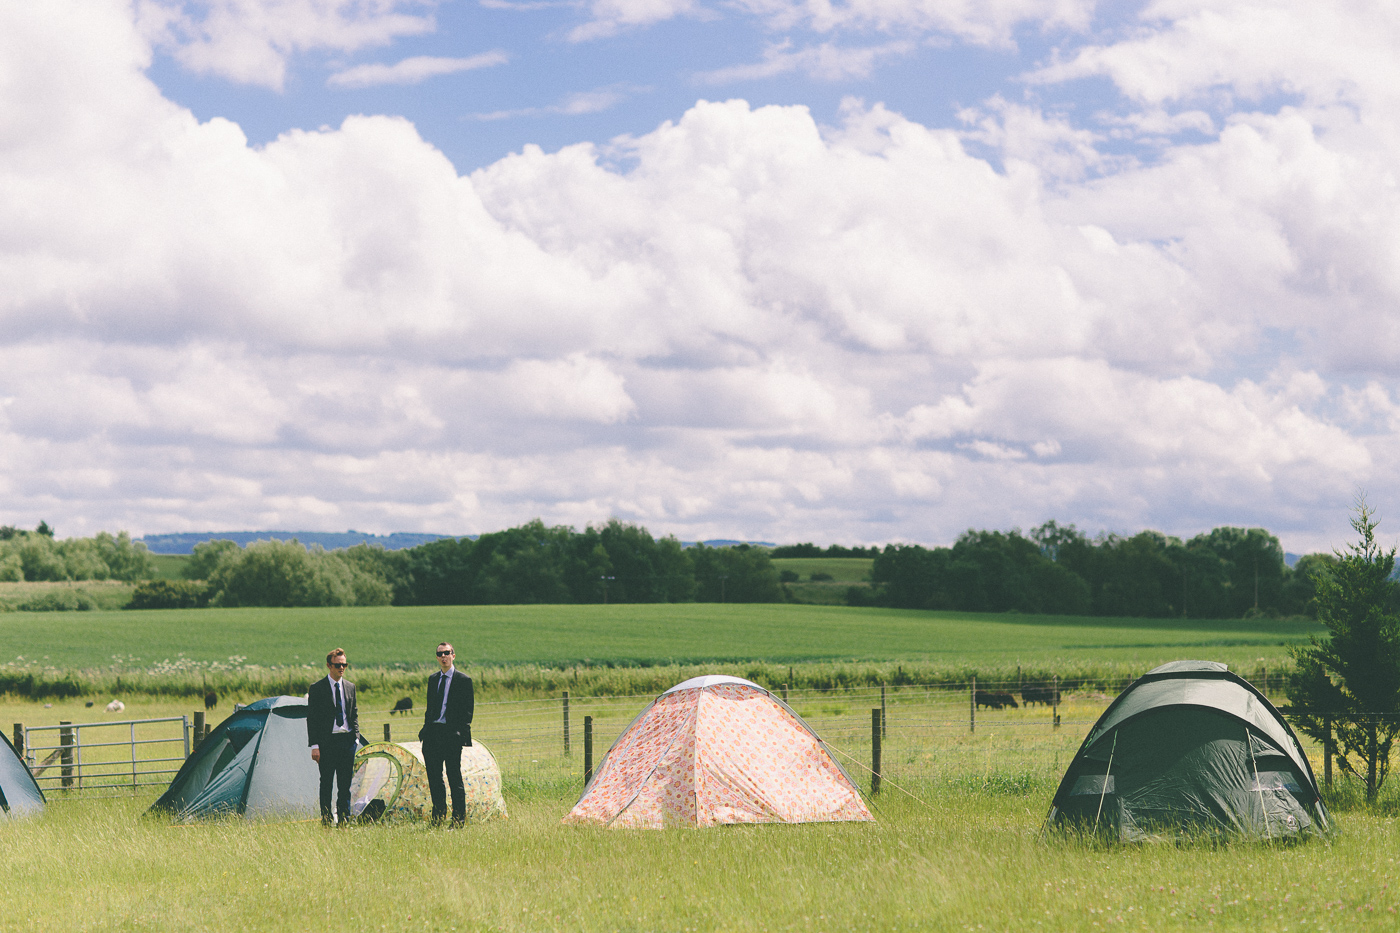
{"x": 208, "y": 556}
{"x": 1351, "y": 679}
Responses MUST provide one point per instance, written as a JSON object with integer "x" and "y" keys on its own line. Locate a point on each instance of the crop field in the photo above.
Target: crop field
{"x": 564, "y": 636}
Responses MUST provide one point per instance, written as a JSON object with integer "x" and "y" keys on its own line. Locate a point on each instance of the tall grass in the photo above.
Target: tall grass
{"x": 956, "y": 859}
{"x": 189, "y": 678}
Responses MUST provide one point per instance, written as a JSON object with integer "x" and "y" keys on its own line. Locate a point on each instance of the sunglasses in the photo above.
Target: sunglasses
{"x": 443, "y": 654}
{"x": 339, "y": 664}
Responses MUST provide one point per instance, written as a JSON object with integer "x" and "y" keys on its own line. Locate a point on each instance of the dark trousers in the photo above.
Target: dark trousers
{"x": 442, "y": 749}
{"x": 337, "y": 763}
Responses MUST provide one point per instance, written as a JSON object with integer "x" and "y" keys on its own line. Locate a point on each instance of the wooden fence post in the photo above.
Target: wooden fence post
{"x": 587, "y": 750}
{"x": 1265, "y": 691}
{"x": 784, "y": 693}
{"x": 1055, "y": 701}
{"x": 874, "y": 751}
{"x": 566, "y": 724}
{"x": 19, "y": 739}
{"x": 198, "y": 728}
{"x": 388, "y": 733}
{"x": 65, "y": 741}
{"x": 884, "y": 721}
{"x": 972, "y": 706}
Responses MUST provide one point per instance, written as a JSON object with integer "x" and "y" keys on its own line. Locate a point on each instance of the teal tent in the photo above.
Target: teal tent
{"x": 255, "y": 764}
{"x": 1191, "y": 747}
{"x": 19, "y": 792}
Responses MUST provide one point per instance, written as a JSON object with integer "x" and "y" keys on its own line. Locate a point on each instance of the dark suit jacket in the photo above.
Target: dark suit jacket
{"x": 320, "y": 711}
{"x": 460, "y": 705}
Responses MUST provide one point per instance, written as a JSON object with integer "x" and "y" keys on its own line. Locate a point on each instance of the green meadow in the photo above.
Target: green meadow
{"x": 955, "y": 859}
{"x": 649, "y": 634}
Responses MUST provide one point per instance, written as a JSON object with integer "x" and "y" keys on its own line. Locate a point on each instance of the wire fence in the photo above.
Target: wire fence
{"x": 964, "y": 732}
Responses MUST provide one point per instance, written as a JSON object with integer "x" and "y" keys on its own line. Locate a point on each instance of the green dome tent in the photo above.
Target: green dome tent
{"x": 255, "y": 764}
{"x": 19, "y": 792}
{"x": 1190, "y": 746}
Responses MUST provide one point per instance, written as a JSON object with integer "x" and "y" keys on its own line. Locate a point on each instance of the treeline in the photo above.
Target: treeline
{"x": 37, "y": 556}
{"x": 1225, "y": 573}
{"x": 617, "y": 563}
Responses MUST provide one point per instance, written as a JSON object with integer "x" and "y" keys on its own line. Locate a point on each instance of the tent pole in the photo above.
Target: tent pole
{"x": 1263, "y": 807}
{"x": 1103, "y": 793}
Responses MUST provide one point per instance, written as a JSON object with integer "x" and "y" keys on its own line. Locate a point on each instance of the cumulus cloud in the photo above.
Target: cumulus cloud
{"x": 412, "y": 70}
{"x": 759, "y": 327}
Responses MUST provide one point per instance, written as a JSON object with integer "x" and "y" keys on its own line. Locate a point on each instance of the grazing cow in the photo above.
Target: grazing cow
{"x": 116, "y": 706}
{"x": 211, "y": 700}
{"x": 996, "y": 700}
{"x": 1039, "y": 693}
{"x": 404, "y": 706}
{"x": 89, "y": 703}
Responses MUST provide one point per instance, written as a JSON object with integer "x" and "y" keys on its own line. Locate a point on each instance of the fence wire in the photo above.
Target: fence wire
{"x": 961, "y": 733}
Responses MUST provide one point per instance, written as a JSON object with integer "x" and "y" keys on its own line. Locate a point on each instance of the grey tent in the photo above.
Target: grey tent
{"x": 255, "y": 764}
{"x": 19, "y": 792}
{"x": 1191, "y": 747}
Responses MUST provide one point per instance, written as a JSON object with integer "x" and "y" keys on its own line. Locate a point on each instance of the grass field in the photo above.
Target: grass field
{"x": 957, "y": 845}
{"x": 631, "y": 634}
{"x": 170, "y": 566}
{"x": 957, "y": 860}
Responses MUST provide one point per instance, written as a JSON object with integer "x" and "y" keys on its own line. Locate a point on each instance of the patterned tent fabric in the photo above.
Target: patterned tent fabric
{"x": 394, "y": 772}
{"x": 715, "y": 754}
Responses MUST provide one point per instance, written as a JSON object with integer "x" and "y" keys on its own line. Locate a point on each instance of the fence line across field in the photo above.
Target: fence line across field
{"x": 959, "y": 730}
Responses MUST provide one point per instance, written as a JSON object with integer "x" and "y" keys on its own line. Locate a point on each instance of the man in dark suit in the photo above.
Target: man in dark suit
{"x": 332, "y": 731}
{"x": 447, "y": 727}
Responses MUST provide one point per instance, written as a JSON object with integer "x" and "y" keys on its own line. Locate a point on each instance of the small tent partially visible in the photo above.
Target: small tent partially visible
{"x": 391, "y": 781}
{"x": 1191, "y": 747}
{"x": 716, "y": 750}
{"x": 19, "y": 792}
{"x": 255, "y": 764}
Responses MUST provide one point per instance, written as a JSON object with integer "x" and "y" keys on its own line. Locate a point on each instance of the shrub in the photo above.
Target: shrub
{"x": 820, "y": 577}
{"x": 63, "y": 600}
{"x": 169, "y": 594}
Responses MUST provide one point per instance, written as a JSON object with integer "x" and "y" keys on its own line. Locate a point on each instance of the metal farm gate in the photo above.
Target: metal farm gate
{"x": 93, "y": 756}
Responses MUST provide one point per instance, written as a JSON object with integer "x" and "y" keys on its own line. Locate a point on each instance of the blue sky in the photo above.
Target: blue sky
{"x": 783, "y": 270}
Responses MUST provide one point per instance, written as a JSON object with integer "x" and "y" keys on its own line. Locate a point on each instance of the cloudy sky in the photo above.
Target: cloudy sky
{"x": 831, "y": 270}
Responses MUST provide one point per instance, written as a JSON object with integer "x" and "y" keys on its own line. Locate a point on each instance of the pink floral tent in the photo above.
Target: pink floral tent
{"x": 716, "y": 750}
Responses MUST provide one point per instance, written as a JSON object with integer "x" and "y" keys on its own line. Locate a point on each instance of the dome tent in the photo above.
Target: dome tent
{"x": 19, "y": 792}
{"x": 717, "y": 750}
{"x": 256, "y": 764}
{"x": 391, "y": 781}
{"x": 1190, "y": 746}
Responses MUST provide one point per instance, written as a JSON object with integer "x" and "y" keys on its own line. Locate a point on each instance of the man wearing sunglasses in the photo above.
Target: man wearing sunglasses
{"x": 332, "y": 731}
{"x": 447, "y": 726}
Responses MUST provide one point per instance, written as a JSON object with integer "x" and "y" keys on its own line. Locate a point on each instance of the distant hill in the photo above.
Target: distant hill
{"x": 184, "y": 543}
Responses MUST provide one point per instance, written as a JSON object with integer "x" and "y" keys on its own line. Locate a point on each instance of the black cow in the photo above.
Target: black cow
{"x": 996, "y": 700}
{"x": 403, "y": 706}
{"x": 211, "y": 700}
{"x": 1040, "y": 693}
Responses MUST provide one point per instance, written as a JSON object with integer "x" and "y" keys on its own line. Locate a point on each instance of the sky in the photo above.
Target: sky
{"x": 850, "y": 271}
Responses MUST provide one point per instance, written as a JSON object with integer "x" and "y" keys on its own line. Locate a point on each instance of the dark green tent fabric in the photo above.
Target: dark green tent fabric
{"x": 1190, "y": 747}
{"x": 256, "y": 763}
{"x": 19, "y": 792}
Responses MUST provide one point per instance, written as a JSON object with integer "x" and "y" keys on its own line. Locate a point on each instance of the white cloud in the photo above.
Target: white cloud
{"x": 825, "y": 62}
{"x": 573, "y": 105}
{"x": 761, "y": 327}
{"x": 989, "y": 23}
{"x": 251, "y": 41}
{"x": 412, "y": 70}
